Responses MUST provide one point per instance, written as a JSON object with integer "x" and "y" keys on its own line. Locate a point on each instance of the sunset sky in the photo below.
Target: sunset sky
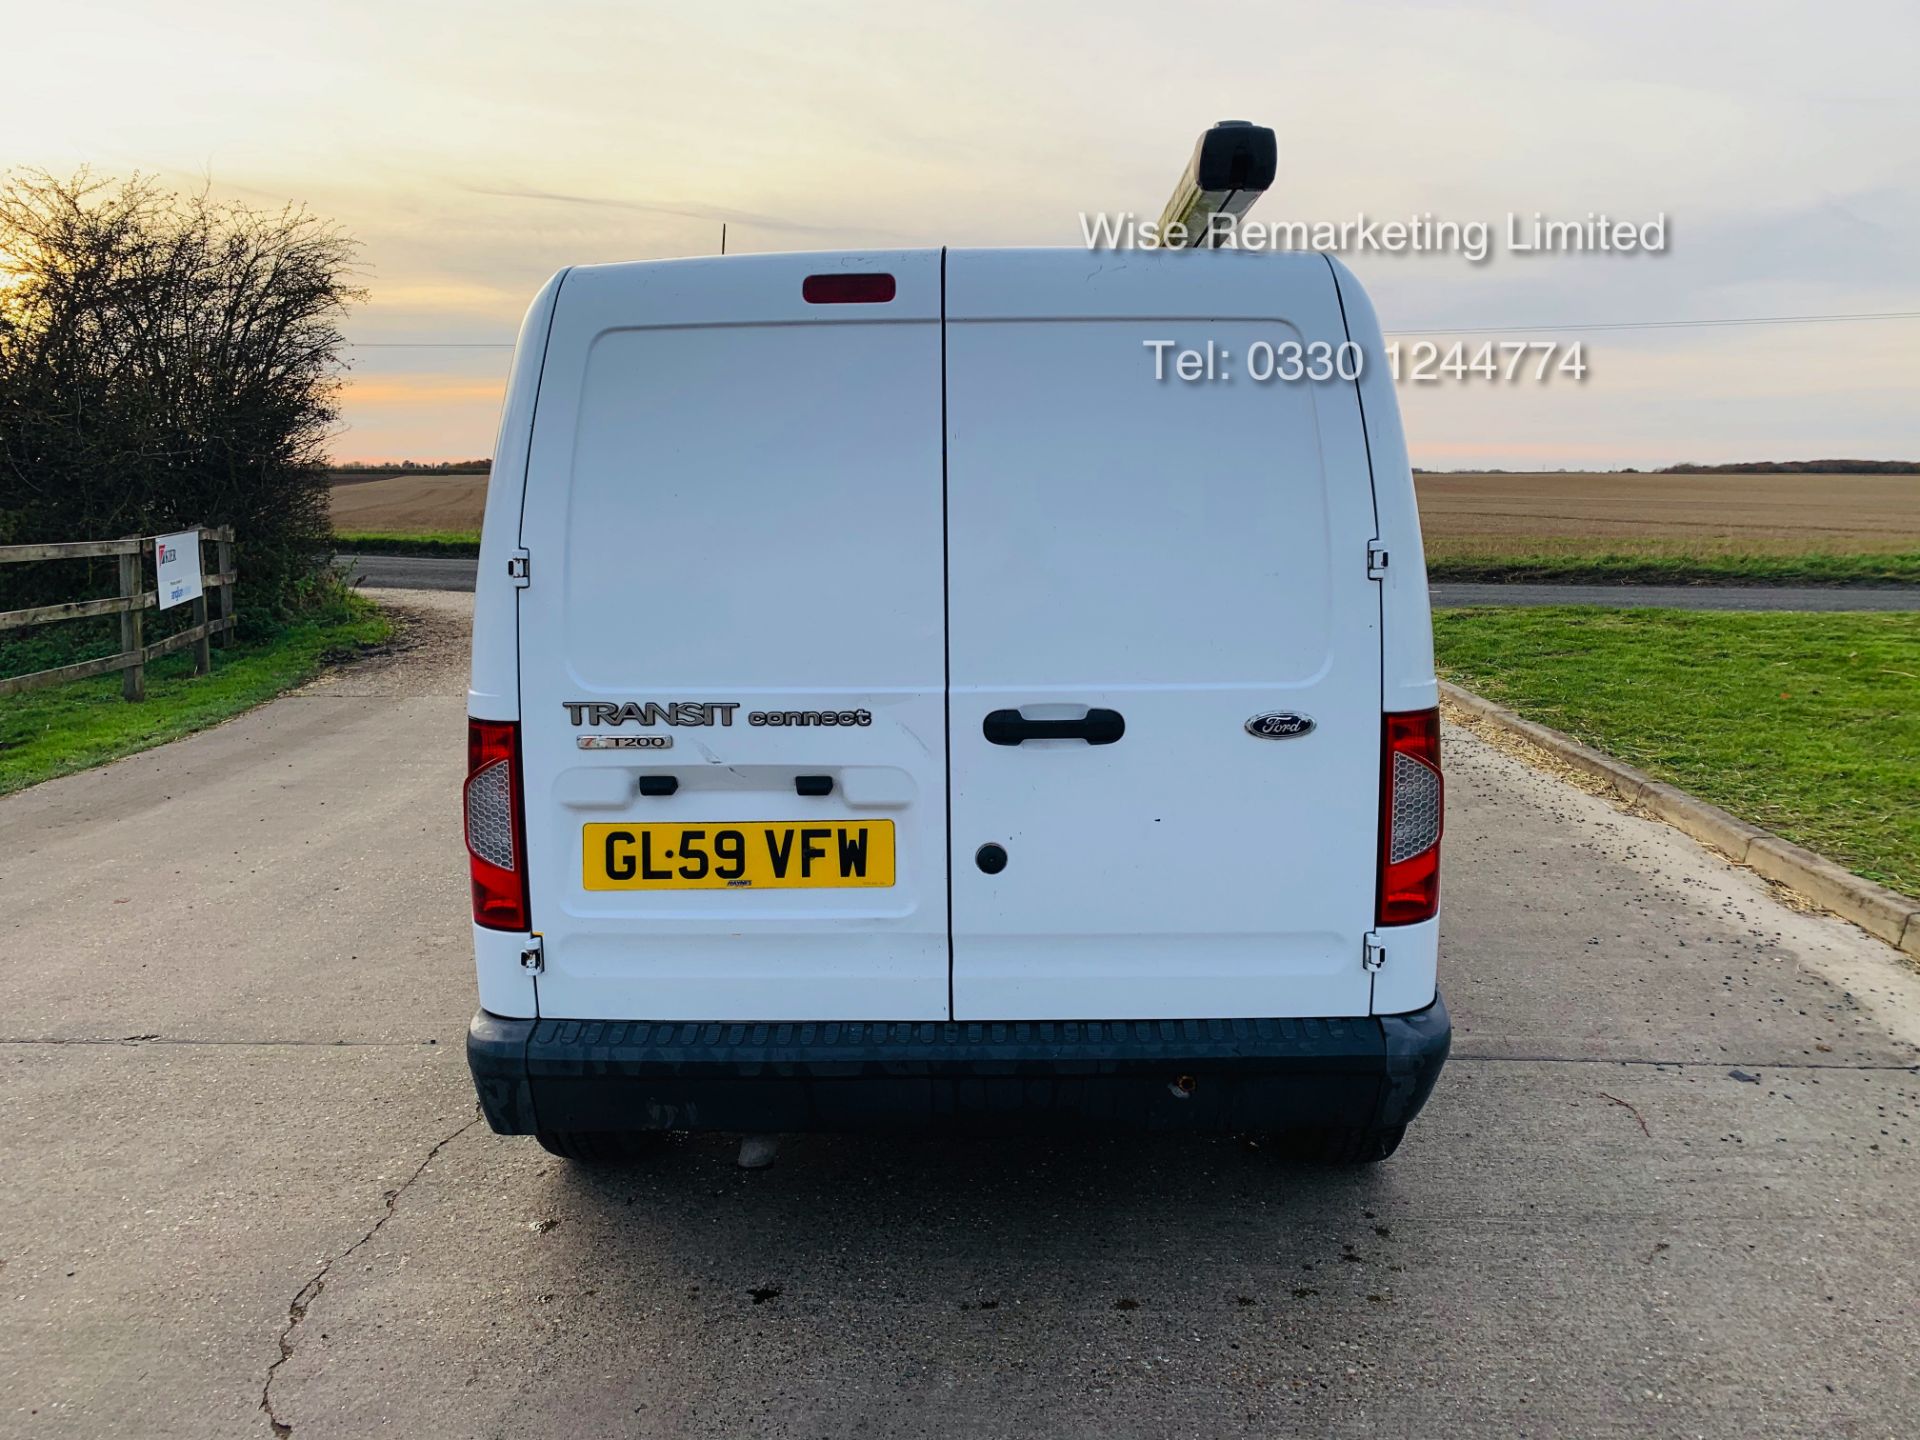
{"x": 475, "y": 148}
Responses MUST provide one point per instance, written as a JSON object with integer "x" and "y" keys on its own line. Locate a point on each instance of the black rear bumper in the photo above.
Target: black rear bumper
{"x": 1220, "y": 1075}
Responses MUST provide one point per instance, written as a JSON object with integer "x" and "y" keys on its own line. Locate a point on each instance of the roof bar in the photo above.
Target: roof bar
{"x": 1232, "y": 167}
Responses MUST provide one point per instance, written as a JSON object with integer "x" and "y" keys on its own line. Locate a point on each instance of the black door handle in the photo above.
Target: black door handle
{"x": 1096, "y": 727}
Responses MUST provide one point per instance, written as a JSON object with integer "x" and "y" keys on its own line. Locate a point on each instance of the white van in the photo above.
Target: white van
{"x": 893, "y": 705}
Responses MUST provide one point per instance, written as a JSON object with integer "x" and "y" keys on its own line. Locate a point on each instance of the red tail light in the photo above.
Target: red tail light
{"x": 496, "y": 825}
{"x": 1412, "y": 811}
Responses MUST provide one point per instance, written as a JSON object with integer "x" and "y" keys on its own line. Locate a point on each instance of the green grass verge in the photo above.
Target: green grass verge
{"x": 65, "y": 728}
{"x": 1807, "y": 724}
{"x": 432, "y": 542}
{"x": 1891, "y": 568}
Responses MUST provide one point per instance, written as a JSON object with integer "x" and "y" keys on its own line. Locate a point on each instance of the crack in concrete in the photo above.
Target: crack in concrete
{"x": 1894, "y": 1067}
{"x": 1629, "y": 1108}
{"x": 304, "y": 1297}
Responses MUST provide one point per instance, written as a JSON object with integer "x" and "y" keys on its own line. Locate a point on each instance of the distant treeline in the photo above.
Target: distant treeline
{"x": 413, "y": 467}
{"x": 1800, "y": 467}
{"x": 1748, "y": 467}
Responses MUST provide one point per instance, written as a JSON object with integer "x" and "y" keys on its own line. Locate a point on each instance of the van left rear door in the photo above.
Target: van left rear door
{"x": 733, "y": 524}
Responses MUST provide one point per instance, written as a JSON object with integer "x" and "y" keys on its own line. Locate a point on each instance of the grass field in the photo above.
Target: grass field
{"x": 65, "y": 728}
{"x": 430, "y": 542}
{"x": 1762, "y": 529}
{"x": 1807, "y": 724}
{"x": 1656, "y": 562}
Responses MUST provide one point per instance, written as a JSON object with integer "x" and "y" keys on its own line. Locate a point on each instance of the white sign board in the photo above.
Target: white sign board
{"x": 176, "y": 561}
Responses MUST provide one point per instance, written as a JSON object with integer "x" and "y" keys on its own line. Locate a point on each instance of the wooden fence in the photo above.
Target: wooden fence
{"x": 130, "y": 605}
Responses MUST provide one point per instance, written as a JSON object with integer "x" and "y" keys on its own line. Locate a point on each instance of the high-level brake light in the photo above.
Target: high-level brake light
{"x": 857, "y": 287}
{"x": 1412, "y": 809}
{"x": 496, "y": 825}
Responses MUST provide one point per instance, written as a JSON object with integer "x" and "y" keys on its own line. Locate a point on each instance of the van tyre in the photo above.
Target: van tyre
{"x": 1338, "y": 1144}
{"x": 600, "y": 1147}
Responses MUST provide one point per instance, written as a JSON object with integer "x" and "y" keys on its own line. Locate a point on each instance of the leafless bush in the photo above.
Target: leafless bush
{"x": 166, "y": 360}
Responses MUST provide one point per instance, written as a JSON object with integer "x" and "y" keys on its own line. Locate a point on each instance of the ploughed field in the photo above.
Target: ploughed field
{"x": 1473, "y": 516}
{"x": 1464, "y": 516}
{"x": 378, "y": 503}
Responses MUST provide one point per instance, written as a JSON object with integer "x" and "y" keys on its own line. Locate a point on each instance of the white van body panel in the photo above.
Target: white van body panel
{"x": 493, "y": 688}
{"x": 1406, "y": 655}
{"x": 1406, "y": 981}
{"x": 506, "y": 987}
{"x": 493, "y": 691}
{"x": 735, "y": 499}
{"x": 1191, "y": 555}
{"x": 1410, "y": 978}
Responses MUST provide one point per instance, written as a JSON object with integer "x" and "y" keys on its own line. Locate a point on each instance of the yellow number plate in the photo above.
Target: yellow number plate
{"x": 738, "y": 855}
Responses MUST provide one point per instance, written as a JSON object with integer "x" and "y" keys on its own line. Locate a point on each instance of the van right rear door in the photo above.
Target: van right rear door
{"x": 1138, "y": 569}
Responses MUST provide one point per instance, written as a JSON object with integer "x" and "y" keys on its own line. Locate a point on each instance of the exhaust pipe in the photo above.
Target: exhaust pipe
{"x": 1232, "y": 167}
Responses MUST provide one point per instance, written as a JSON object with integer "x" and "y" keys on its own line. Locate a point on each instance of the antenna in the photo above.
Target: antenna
{"x": 723, "y": 237}
{"x": 1232, "y": 167}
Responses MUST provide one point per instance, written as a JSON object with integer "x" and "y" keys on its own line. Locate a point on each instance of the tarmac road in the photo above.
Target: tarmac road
{"x": 410, "y": 572}
{"x": 446, "y": 573}
{"x": 1665, "y": 1185}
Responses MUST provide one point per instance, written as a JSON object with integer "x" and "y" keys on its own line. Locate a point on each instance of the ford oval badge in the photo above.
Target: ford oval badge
{"x": 1279, "y": 724}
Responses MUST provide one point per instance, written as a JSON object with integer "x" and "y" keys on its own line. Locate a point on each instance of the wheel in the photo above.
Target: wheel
{"x": 600, "y": 1147}
{"x": 1338, "y": 1144}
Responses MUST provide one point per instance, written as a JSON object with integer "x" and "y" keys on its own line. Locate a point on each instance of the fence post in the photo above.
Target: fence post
{"x": 202, "y": 652}
{"x": 223, "y": 557}
{"x": 133, "y": 679}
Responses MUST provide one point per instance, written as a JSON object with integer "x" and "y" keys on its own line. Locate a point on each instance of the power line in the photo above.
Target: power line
{"x": 1672, "y": 324}
{"x": 1460, "y": 330}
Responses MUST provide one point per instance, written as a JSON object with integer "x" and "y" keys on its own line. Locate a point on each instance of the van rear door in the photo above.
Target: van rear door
{"x": 1138, "y": 570}
{"x": 731, "y": 642}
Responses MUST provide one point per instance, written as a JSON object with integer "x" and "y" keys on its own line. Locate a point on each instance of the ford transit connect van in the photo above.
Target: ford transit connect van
{"x": 907, "y": 691}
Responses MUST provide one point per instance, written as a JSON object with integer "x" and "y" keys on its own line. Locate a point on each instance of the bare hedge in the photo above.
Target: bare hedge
{"x": 166, "y": 360}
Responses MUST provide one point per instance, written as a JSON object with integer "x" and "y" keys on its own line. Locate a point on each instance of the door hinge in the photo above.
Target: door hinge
{"x": 1376, "y": 560}
{"x": 533, "y": 958}
{"x": 518, "y": 568}
{"x": 1373, "y": 955}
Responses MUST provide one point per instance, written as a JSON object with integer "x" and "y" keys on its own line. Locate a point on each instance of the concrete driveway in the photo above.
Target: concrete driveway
{"x": 1666, "y": 1185}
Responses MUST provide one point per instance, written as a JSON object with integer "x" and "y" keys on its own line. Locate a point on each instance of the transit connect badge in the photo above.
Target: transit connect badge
{"x": 1279, "y": 724}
